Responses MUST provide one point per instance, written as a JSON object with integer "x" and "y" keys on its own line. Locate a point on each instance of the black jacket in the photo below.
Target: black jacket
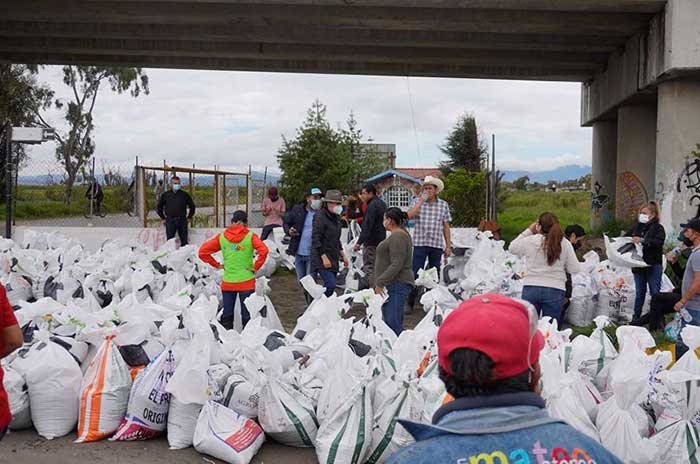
{"x": 653, "y": 238}
{"x": 174, "y": 204}
{"x": 373, "y": 231}
{"x": 295, "y": 217}
{"x": 325, "y": 240}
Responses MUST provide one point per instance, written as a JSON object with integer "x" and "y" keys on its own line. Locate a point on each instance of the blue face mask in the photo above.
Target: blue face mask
{"x": 177, "y": 187}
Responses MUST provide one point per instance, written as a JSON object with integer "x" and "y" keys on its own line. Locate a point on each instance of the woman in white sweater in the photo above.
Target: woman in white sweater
{"x": 548, "y": 257}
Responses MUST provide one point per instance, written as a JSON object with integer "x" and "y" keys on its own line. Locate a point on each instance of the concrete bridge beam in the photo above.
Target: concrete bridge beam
{"x": 604, "y": 178}
{"x": 678, "y": 151}
{"x": 636, "y": 158}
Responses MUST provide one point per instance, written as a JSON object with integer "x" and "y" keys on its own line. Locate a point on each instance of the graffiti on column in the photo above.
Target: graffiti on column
{"x": 689, "y": 180}
{"x": 632, "y": 195}
{"x": 598, "y": 198}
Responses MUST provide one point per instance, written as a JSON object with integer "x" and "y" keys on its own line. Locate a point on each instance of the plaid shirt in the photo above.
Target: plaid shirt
{"x": 428, "y": 230}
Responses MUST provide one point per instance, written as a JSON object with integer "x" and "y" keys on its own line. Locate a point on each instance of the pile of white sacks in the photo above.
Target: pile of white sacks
{"x": 605, "y": 288}
{"x": 124, "y": 344}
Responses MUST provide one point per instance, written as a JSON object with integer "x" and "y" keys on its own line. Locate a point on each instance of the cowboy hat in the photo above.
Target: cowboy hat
{"x": 438, "y": 183}
{"x": 333, "y": 196}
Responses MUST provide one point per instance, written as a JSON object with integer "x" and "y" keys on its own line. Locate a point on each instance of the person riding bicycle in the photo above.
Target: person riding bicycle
{"x": 95, "y": 193}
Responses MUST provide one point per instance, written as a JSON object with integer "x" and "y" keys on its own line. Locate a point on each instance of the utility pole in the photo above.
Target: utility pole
{"x": 8, "y": 180}
{"x": 494, "y": 194}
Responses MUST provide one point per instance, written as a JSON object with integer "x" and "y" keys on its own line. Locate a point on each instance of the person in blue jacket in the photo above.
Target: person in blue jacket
{"x": 488, "y": 358}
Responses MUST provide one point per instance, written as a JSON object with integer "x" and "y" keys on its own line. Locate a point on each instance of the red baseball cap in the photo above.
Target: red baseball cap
{"x": 497, "y": 326}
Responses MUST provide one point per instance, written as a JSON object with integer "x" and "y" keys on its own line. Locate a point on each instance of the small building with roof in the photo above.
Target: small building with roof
{"x": 398, "y": 186}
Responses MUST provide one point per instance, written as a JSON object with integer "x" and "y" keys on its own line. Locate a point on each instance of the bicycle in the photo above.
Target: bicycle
{"x": 96, "y": 210}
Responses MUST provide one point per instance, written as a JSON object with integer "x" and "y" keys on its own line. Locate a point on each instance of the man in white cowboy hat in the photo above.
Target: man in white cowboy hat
{"x": 431, "y": 235}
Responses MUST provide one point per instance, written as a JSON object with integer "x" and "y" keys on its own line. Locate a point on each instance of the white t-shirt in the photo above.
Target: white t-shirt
{"x": 538, "y": 272}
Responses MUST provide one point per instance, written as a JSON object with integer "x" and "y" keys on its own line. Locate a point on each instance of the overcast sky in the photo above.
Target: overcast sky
{"x": 233, "y": 119}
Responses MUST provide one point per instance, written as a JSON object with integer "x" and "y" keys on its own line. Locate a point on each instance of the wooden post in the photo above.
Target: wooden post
{"x": 224, "y": 199}
{"x": 216, "y": 198}
{"x": 144, "y": 198}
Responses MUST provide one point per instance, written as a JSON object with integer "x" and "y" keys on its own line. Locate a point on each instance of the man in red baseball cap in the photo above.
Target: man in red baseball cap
{"x": 488, "y": 356}
{"x": 10, "y": 340}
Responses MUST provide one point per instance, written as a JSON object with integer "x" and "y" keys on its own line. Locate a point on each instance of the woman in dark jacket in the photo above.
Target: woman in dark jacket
{"x": 651, "y": 234}
{"x": 326, "y": 250}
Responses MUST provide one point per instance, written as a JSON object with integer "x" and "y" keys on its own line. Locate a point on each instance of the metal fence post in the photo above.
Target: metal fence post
{"x": 8, "y": 181}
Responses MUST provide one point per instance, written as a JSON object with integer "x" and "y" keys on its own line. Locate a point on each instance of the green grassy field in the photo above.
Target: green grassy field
{"x": 42, "y": 202}
{"x": 522, "y": 209}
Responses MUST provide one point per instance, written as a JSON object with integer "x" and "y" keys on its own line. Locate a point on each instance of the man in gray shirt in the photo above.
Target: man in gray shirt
{"x": 690, "y": 289}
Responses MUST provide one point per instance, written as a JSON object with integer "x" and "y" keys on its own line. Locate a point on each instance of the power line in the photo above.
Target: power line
{"x": 413, "y": 115}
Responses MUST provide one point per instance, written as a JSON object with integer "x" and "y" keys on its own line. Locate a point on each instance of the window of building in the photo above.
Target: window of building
{"x": 398, "y": 196}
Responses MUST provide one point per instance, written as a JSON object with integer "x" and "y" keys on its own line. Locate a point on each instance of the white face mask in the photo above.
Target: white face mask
{"x": 316, "y": 204}
{"x": 176, "y": 187}
{"x": 643, "y": 218}
{"x": 338, "y": 209}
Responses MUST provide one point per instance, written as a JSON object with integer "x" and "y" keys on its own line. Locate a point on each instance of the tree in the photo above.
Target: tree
{"x": 463, "y": 147}
{"x": 22, "y": 98}
{"x": 366, "y": 162}
{"x": 521, "y": 183}
{"x": 76, "y": 147}
{"x": 466, "y": 194}
{"x": 319, "y": 156}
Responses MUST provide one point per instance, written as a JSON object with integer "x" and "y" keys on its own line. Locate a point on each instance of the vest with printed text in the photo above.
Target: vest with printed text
{"x": 238, "y": 259}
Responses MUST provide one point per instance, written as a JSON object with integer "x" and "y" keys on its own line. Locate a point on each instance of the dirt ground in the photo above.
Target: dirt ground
{"x": 28, "y": 447}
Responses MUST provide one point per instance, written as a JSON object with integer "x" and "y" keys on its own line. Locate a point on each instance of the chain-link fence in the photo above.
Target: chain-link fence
{"x": 104, "y": 194}
{"x": 216, "y": 194}
{"x": 98, "y": 194}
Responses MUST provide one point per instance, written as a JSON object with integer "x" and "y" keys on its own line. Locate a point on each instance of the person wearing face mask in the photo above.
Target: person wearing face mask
{"x": 394, "y": 267}
{"x": 326, "y": 249}
{"x": 172, "y": 209}
{"x": 690, "y": 288}
{"x": 651, "y": 235}
{"x": 549, "y": 257}
{"x": 273, "y": 209}
{"x": 575, "y": 234}
{"x": 298, "y": 224}
{"x": 663, "y": 302}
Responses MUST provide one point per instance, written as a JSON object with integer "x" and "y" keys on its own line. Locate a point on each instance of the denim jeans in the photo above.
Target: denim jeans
{"x": 392, "y": 311}
{"x": 302, "y": 264}
{"x": 230, "y": 306}
{"x": 329, "y": 280}
{"x": 646, "y": 276}
{"x": 547, "y": 300}
{"x": 421, "y": 253}
{"x": 176, "y": 225}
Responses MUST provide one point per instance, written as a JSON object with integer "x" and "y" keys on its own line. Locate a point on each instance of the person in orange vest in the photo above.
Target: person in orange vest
{"x": 238, "y": 246}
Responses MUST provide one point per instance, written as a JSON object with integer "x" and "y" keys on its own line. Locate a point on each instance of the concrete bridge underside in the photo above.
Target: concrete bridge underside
{"x": 638, "y": 61}
{"x": 512, "y": 39}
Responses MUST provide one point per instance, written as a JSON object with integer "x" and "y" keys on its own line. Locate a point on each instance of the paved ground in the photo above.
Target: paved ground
{"x": 26, "y": 447}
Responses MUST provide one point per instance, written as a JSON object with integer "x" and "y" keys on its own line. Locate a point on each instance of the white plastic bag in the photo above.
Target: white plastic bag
{"x": 345, "y": 436}
{"x": 287, "y": 415}
{"x": 104, "y": 394}
{"x": 18, "y": 398}
{"x": 147, "y": 412}
{"x": 226, "y": 435}
{"x": 404, "y": 402}
{"x": 53, "y": 380}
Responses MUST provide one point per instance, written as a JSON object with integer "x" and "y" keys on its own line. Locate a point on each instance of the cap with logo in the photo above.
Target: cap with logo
{"x": 500, "y": 327}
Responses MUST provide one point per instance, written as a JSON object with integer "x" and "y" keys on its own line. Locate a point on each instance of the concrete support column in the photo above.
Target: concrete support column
{"x": 678, "y": 152}
{"x": 636, "y": 158}
{"x": 603, "y": 178}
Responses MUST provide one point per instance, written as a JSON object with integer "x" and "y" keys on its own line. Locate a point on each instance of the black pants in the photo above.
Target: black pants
{"x": 661, "y": 304}
{"x": 176, "y": 225}
{"x": 267, "y": 230}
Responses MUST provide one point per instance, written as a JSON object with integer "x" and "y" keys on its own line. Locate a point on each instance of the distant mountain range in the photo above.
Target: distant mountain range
{"x": 204, "y": 181}
{"x": 560, "y": 174}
